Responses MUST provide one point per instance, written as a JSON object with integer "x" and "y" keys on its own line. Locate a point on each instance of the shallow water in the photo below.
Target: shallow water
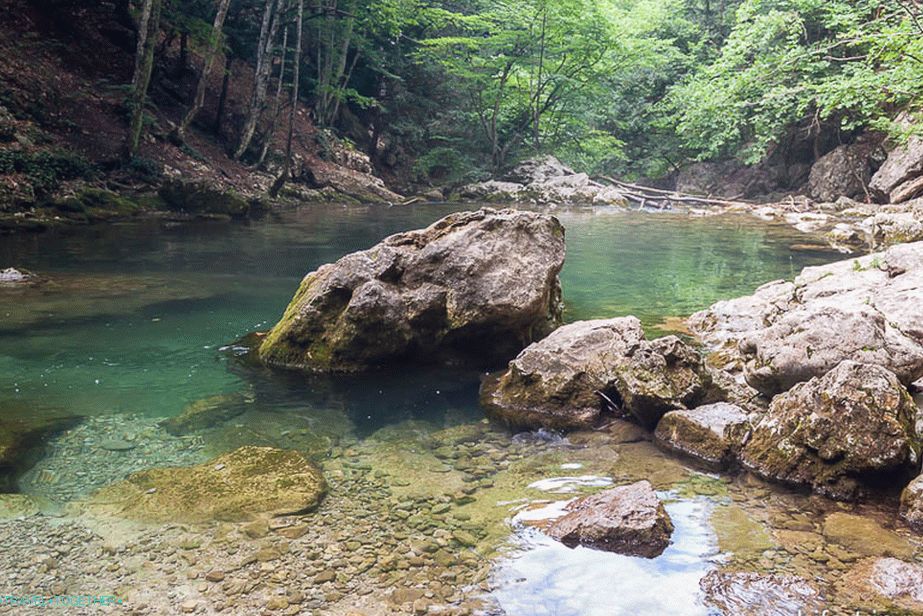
{"x": 131, "y": 325}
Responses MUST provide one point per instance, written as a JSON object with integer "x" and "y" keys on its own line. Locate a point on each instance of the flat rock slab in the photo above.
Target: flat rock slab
{"x": 628, "y": 520}
{"x": 236, "y": 486}
{"x": 783, "y": 334}
{"x": 711, "y": 434}
{"x": 756, "y": 594}
{"x": 474, "y": 287}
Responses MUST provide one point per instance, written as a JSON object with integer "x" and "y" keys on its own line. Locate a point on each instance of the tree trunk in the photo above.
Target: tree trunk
{"x": 222, "y": 100}
{"x": 199, "y": 100}
{"x": 144, "y": 64}
{"x": 296, "y": 65}
{"x": 276, "y": 104}
{"x": 183, "y": 59}
{"x": 268, "y": 30}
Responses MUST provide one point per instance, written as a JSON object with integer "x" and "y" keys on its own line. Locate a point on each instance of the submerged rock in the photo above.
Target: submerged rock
{"x": 475, "y": 286}
{"x": 712, "y": 434}
{"x": 544, "y": 180}
{"x": 757, "y": 594}
{"x": 864, "y": 536}
{"x": 855, "y": 422}
{"x": 569, "y": 379}
{"x": 883, "y": 586}
{"x": 912, "y": 504}
{"x": 782, "y": 334}
{"x": 22, "y": 440}
{"x": 207, "y": 413}
{"x": 628, "y": 520}
{"x": 236, "y": 486}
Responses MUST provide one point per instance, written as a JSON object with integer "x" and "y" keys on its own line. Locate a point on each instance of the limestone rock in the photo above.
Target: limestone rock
{"x": 904, "y": 164}
{"x": 627, "y": 520}
{"x": 711, "y": 434}
{"x": 756, "y": 594}
{"x": 912, "y": 504}
{"x": 781, "y": 335}
{"x": 569, "y": 379}
{"x": 896, "y": 224}
{"x": 475, "y": 286}
{"x": 544, "y": 180}
{"x": 12, "y": 276}
{"x": 844, "y": 172}
{"x": 830, "y": 432}
{"x": 234, "y": 487}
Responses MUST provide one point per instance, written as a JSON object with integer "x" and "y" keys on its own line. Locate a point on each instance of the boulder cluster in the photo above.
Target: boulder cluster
{"x": 805, "y": 383}
{"x": 544, "y": 180}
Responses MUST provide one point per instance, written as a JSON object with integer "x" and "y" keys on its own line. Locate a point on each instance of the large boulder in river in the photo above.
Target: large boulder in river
{"x": 868, "y": 309}
{"x": 473, "y": 286}
{"x": 912, "y": 504}
{"x": 711, "y": 434}
{"x": 854, "y": 423}
{"x": 627, "y": 520}
{"x": 237, "y": 486}
{"x": 569, "y": 379}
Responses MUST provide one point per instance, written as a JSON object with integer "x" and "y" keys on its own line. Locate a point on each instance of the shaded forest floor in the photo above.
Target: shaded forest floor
{"x": 64, "y": 79}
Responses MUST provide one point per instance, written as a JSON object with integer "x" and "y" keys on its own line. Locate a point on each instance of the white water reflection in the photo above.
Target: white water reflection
{"x": 569, "y": 485}
{"x": 545, "y": 578}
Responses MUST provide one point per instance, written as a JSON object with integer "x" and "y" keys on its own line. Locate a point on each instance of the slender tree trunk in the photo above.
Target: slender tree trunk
{"x": 296, "y": 66}
{"x": 183, "y": 58}
{"x": 144, "y": 64}
{"x": 223, "y": 98}
{"x": 276, "y": 104}
{"x": 269, "y": 28}
{"x": 199, "y": 100}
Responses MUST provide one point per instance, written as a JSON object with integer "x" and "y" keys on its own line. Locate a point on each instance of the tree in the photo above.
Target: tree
{"x": 148, "y": 28}
{"x": 296, "y": 64}
{"x": 272, "y": 16}
{"x": 202, "y": 82}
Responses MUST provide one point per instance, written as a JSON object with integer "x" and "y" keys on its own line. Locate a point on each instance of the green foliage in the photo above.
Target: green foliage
{"x": 799, "y": 63}
{"x": 46, "y": 169}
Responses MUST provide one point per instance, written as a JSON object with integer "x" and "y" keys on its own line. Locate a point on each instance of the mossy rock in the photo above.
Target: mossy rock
{"x": 94, "y": 203}
{"x": 202, "y": 199}
{"x": 238, "y": 486}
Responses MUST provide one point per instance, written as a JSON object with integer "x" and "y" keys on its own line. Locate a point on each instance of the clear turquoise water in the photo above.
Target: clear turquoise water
{"x": 135, "y": 314}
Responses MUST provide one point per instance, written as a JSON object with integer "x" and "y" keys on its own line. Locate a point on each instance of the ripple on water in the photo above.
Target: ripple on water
{"x": 545, "y": 578}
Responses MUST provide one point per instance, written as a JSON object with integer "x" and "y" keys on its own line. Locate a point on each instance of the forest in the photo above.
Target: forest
{"x": 443, "y": 93}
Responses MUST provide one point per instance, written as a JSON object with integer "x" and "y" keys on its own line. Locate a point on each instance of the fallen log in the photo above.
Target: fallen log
{"x": 646, "y": 195}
